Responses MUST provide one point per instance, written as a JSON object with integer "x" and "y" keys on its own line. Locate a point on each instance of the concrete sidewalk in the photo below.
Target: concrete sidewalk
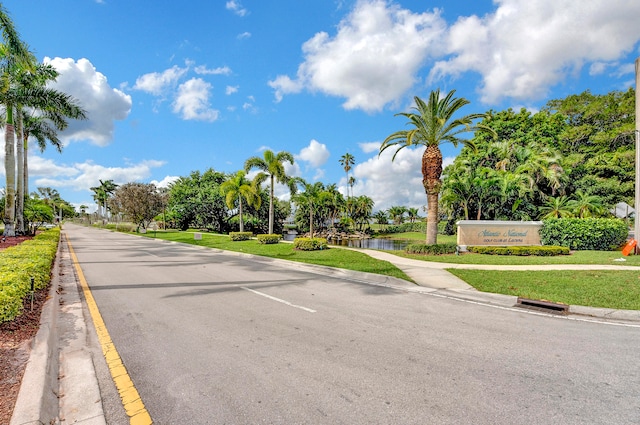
{"x": 60, "y": 383}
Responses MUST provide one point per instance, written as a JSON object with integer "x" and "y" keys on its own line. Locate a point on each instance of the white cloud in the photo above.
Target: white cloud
{"x": 236, "y": 7}
{"x": 192, "y": 101}
{"x": 231, "y": 89}
{"x": 244, "y": 35}
{"x": 165, "y": 182}
{"x": 316, "y": 154}
{"x": 203, "y": 70}
{"x": 369, "y": 147}
{"x": 372, "y": 60}
{"x": 524, "y": 47}
{"x": 102, "y": 103}
{"x": 157, "y": 82}
{"x": 82, "y": 176}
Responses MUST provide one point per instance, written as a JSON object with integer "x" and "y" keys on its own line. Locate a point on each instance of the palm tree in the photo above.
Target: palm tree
{"x": 347, "y": 160}
{"x": 556, "y": 207}
{"x": 14, "y": 56}
{"x": 381, "y": 218}
{"x": 397, "y": 214}
{"x": 586, "y": 205}
{"x": 53, "y": 106}
{"x": 363, "y": 207}
{"x": 271, "y": 166}
{"x": 311, "y": 197}
{"x": 433, "y": 124}
{"x": 237, "y": 188}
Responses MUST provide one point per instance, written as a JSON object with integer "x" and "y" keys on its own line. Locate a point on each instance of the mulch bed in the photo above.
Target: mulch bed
{"x": 15, "y": 338}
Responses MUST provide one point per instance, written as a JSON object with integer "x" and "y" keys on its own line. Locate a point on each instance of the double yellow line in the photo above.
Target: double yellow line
{"x": 133, "y": 405}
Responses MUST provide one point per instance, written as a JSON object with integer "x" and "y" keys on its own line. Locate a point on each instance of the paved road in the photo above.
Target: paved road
{"x": 215, "y": 338}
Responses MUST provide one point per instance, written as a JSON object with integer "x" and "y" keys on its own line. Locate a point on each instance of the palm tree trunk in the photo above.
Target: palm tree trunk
{"x": 271, "y": 206}
{"x": 10, "y": 170}
{"x": 431, "y": 172}
{"x": 240, "y": 214}
{"x": 20, "y": 176}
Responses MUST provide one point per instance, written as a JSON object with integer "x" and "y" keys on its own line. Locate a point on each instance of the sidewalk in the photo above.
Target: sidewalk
{"x": 60, "y": 383}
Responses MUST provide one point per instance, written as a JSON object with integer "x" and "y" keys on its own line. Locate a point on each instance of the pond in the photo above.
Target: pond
{"x": 380, "y": 243}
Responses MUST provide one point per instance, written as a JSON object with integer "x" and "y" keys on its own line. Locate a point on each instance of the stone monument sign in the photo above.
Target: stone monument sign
{"x": 498, "y": 233}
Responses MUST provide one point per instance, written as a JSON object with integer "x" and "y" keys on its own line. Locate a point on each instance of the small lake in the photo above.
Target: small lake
{"x": 379, "y": 243}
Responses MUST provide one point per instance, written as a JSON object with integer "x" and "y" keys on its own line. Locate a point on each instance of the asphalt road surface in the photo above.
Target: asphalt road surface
{"x": 215, "y": 338}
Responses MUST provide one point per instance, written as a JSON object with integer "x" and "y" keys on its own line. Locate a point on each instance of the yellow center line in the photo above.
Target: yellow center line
{"x": 133, "y": 405}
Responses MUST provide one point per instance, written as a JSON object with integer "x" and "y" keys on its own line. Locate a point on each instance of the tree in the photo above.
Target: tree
{"x": 311, "y": 198}
{"x": 238, "y": 187}
{"x": 140, "y": 202}
{"x": 585, "y": 205}
{"x": 412, "y": 214}
{"x": 397, "y": 214}
{"x": 40, "y": 111}
{"x": 271, "y": 166}
{"x": 362, "y": 209}
{"x": 381, "y": 218}
{"x": 347, "y": 160}
{"x": 433, "y": 124}
{"x": 14, "y": 57}
{"x": 556, "y": 207}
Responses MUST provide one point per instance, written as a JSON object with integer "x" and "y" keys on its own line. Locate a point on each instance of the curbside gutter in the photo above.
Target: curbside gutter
{"x": 37, "y": 402}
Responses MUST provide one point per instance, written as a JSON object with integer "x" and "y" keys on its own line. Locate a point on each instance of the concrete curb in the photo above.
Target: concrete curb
{"x": 37, "y": 401}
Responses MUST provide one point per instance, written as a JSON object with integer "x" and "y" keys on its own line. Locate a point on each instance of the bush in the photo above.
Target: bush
{"x": 418, "y": 226}
{"x": 432, "y": 249}
{"x": 601, "y": 234}
{"x": 269, "y": 239}
{"x": 240, "y": 236}
{"x": 543, "y": 251}
{"x": 21, "y": 263}
{"x": 310, "y": 244}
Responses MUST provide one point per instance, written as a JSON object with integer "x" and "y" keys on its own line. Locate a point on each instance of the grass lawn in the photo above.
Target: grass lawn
{"x": 340, "y": 258}
{"x": 610, "y": 289}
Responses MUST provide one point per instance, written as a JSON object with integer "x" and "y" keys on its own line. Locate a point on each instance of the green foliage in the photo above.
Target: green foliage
{"x": 310, "y": 244}
{"x": 269, "y": 239}
{"x": 403, "y": 228}
{"x": 585, "y": 234}
{"x": 240, "y": 236}
{"x": 18, "y": 264}
{"x": 542, "y": 251}
{"x": 431, "y": 249}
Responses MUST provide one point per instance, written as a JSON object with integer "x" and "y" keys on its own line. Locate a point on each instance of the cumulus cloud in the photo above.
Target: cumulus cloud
{"x": 524, "y": 48}
{"x": 372, "y": 60}
{"x": 231, "y": 90}
{"x": 192, "y": 101}
{"x": 316, "y": 154}
{"x": 102, "y": 103}
{"x": 203, "y": 70}
{"x": 82, "y": 176}
{"x": 165, "y": 182}
{"x": 157, "y": 82}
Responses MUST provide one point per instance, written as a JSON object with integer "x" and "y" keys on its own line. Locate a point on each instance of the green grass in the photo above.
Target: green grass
{"x": 608, "y": 289}
{"x": 340, "y": 258}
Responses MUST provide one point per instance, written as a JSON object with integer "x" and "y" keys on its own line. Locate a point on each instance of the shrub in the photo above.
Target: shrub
{"x": 21, "y": 263}
{"x": 418, "y": 226}
{"x": 310, "y": 244}
{"x": 432, "y": 249}
{"x": 269, "y": 239}
{"x": 603, "y": 234}
{"x": 240, "y": 236}
{"x": 543, "y": 251}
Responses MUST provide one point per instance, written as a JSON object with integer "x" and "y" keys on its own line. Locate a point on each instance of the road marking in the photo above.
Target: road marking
{"x": 133, "y": 405}
{"x": 278, "y": 300}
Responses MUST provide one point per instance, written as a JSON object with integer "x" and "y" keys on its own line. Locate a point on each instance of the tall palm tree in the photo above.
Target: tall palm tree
{"x": 238, "y": 187}
{"x": 347, "y": 160}
{"x": 271, "y": 166}
{"x": 37, "y": 106}
{"x": 14, "y": 56}
{"x": 397, "y": 214}
{"x": 433, "y": 124}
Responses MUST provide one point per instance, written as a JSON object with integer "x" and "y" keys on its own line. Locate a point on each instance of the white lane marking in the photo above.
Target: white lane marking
{"x": 278, "y": 300}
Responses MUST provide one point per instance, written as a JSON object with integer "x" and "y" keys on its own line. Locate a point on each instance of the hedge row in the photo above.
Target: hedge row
{"x": 600, "y": 234}
{"x": 431, "y": 249}
{"x": 310, "y": 244}
{"x": 19, "y": 264}
{"x": 543, "y": 251}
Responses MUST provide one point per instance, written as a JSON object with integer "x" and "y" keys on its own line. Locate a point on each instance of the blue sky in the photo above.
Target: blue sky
{"x": 173, "y": 87}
